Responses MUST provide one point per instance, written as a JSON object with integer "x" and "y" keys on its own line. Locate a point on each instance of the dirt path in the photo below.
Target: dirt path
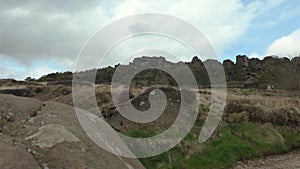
{"x": 284, "y": 161}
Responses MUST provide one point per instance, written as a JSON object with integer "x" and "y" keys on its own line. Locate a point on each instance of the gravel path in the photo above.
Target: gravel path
{"x": 284, "y": 161}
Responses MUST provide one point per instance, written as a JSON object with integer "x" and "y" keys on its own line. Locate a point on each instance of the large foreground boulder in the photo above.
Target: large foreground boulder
{"x": 55, "y": 139}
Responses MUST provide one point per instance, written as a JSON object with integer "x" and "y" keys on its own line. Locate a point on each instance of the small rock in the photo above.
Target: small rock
{"x": 45, "y": 166}
{"x": 142, "y": 103}
{"x": 31, "y": 120}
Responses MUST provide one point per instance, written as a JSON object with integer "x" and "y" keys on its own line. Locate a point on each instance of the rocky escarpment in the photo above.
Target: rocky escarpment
{"x": 271, "y": 72}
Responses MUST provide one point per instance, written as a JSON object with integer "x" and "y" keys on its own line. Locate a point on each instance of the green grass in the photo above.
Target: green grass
{"x": 263, "y": 137}
{"x": 222, "y": 152}
{"x": 142, "y": 133}
{"x": 292, "y": 140}
{"x": 234, "y": 142}
{"x": 204, "y": 108}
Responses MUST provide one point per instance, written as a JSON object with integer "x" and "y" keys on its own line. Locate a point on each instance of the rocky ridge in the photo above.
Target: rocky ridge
{"x": 271, "y": 72}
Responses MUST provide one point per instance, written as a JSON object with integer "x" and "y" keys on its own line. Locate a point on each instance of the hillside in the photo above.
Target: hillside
{"x": 42, "y": 129}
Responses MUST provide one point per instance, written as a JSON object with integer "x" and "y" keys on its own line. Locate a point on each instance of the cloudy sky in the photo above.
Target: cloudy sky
{"x": 42, "y": 36}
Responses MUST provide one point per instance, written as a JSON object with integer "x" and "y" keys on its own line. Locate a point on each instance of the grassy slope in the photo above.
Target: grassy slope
{"x": 233, "y": 142}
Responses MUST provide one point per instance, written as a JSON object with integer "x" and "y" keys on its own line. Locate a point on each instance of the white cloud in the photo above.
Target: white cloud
{"x": 10, "y": 68}
{"x": 221, "y": 21}
{"x": 286, "y": 46}
{"x": 256, "y": 55}
{"x": 23, "y": 71}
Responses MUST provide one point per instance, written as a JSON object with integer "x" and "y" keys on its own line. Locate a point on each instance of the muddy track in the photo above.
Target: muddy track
{"x": 285, "y": 161}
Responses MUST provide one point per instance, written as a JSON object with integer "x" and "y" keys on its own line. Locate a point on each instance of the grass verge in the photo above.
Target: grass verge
{"x": 234, "y": 142}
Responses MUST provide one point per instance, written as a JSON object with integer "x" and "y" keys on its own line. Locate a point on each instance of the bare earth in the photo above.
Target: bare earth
{"x": 284, "y": 161}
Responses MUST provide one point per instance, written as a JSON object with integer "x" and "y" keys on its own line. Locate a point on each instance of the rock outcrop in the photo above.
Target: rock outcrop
{"x": 229, "y": 69}
{"x": 282, "y": 73}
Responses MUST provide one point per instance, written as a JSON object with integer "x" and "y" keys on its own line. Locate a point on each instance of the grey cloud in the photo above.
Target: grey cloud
{"x": 47, "y": 29}
{"x": 73, "y": 6}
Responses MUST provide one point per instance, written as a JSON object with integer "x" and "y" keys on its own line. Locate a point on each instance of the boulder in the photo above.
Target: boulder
{"x": 17, "y": 109}
{"x": 252, "y": 82}
{"x": 16, "y": 157}
{"x": 51, "y": 132}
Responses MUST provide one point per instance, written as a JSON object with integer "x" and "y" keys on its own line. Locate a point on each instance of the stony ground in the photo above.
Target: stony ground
{"x": 284, "y": 161}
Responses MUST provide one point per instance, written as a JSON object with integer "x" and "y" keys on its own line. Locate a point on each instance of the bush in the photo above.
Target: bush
{"x": 238, "y": 117}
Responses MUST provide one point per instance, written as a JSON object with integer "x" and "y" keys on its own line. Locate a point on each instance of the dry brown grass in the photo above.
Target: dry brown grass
{"x": 268, "y": 102}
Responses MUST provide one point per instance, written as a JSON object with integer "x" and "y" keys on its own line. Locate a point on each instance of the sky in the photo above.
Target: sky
{"x": 44, "y": 36}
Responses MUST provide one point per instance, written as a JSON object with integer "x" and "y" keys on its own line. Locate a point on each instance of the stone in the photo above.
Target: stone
{"x": 15, "y": 157}
{"x": 52, "y": 134}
